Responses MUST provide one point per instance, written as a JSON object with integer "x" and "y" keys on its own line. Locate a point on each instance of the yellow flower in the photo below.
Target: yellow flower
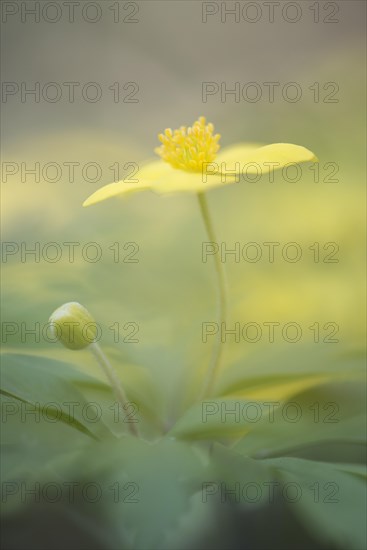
{"x": 190, "y": 163}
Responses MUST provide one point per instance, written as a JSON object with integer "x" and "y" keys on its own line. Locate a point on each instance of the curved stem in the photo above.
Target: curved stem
{"x": 221, "y": 302}
{"x": 113, "y": 380}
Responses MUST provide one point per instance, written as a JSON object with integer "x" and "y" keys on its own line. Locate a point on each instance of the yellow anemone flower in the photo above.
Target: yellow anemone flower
{"x": 190, "y": 164}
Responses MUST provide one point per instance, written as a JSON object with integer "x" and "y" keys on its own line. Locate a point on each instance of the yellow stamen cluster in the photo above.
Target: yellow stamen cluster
{"x": 189, "y": 148}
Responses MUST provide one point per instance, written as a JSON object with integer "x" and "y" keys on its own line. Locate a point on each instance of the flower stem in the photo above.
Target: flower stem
{"x": 221, "y": 302}
{"x": 113, "y": 380}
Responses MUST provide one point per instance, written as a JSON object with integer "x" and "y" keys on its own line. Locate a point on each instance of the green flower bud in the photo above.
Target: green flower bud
{"x": 73, "y": 325}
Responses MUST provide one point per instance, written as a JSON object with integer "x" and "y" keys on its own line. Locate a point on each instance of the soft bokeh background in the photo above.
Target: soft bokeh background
{"x": 169, "y": 53}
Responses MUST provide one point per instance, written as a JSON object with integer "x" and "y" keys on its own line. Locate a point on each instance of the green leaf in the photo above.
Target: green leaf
{"x": 359, "y": 470}
{"x": 144, "y": 402}
{"x": 330, "y": 502}
{"x": 331, "y": 412}
{"x": 216, "y": 419}
{"x": 31, "y": 456}
{"x": 43, "y": 384}
{"x": 146, "y": 487}
{"x": 284, "y": 365}
{"x": 240, "y": 479}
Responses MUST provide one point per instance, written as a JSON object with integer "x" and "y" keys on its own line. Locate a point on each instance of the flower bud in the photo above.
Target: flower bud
{"x": 73, "y": 325}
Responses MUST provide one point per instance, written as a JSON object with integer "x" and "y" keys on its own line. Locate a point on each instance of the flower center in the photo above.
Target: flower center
{"x": 189, "y": 148}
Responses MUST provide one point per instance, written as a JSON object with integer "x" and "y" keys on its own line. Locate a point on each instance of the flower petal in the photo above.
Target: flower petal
{"x": 154, "y": 169}
{"x": 115, "y": 189}
{"x": 268, "y": 157}
{"x": 146, "y": 178}
{"x": 166, "y": 179}
{"x": 237, "y": 152}
{"x": 190, "y": 182}
{"x": 160, "y": 177}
